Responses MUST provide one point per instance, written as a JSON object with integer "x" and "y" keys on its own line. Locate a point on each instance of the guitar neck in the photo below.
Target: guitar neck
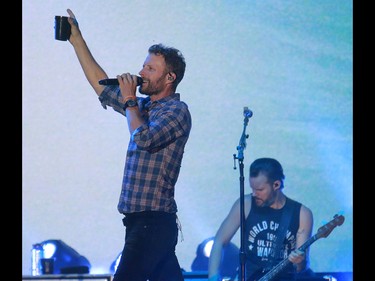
{"x": 274, "y": 271}
{"x": 309, "y": 242}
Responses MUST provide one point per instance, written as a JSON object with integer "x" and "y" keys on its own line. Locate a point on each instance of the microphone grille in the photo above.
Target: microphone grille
{"x": 247, "y": 112}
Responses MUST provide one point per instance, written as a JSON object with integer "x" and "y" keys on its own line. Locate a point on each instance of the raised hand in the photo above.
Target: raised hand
{"x": 74, "y": 26}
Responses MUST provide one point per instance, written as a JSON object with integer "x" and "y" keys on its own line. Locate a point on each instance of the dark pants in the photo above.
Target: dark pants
{"x": 149, "y": 251}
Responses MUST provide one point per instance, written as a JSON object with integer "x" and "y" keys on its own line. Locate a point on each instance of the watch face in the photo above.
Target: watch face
{"x": 131, "y": 103}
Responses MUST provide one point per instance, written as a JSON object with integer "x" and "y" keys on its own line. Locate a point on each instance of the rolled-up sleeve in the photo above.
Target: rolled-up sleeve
{"x": 111, "y": 96}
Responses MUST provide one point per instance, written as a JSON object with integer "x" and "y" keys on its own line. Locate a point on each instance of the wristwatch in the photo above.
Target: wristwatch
{"x": 130, "y": 103}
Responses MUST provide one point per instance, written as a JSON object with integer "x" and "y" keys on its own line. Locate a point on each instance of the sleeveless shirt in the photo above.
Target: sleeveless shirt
{"x": 261, "y": 229}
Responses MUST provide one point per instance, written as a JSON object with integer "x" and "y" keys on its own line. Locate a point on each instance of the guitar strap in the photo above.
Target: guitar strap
{"x": 281, "y": 232}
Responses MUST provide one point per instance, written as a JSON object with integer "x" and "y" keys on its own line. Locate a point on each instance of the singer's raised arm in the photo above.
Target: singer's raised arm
{"x": 92, "y": 70}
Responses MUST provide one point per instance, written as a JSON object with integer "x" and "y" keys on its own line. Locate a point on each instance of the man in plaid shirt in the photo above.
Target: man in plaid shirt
{"x": 159, "y": 126}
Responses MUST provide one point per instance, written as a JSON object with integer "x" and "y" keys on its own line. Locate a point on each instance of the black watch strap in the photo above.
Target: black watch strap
{"x": 130, "y": 103}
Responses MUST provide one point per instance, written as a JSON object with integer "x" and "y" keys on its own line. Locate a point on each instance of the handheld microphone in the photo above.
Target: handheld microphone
{"x": 114, "y": 81}
{"x": 247, "y": 112}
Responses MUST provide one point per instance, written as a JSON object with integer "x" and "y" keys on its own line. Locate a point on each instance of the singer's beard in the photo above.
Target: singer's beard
{"x": 147, "y": 93}
{"x": 149, "y": 88}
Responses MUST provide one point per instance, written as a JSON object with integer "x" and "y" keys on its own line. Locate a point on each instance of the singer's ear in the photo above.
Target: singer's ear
{"x": 276, "y": 185}
{"x": 171, "y": 76}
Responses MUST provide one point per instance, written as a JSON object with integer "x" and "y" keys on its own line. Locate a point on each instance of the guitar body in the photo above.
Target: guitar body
{"x": 262, "y": 276}
{"x": 256, "y": 276}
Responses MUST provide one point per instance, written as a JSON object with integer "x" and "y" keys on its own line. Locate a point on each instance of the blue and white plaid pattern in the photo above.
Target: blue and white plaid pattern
{"x": 155, "y": 152}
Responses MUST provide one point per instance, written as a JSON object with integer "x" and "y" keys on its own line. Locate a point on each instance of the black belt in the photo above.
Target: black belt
{"x": 149, "y": 214}
{"x": 145, "y": 215}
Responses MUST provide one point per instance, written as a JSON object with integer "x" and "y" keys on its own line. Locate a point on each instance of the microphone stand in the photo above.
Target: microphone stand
{"x": 240, "y": 148}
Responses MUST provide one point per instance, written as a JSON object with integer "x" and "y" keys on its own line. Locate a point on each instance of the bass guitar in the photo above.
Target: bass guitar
{"x": 323, "y": 231}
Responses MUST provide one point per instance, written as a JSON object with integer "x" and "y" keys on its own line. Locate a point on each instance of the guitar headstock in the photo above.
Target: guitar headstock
{"x": 326, "y": 229}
